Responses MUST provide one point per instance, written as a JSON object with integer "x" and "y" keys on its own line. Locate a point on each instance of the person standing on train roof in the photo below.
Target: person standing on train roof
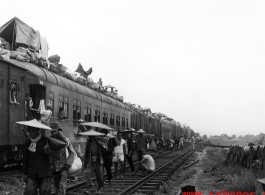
{"x": 119, "y": 151}
{"x": 36, "y": 164}
{"x": 147, "y": 164}
{"x": 181, "y": 142}
{"x": 129, "y": 149}
{"x": 60, "y": 167}
{"x": 93, "y": 161}
{"x": 140, "y": 144}
{"x": 107, "y": 155}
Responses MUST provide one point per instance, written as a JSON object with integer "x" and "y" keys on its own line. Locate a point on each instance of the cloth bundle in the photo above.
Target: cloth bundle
{"x": 5, "y": 54}
{"x": 153, "y": 146}
{"x": 21, "y": 54}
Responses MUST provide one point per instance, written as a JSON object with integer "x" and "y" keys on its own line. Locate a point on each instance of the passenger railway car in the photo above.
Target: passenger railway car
{"x": 76, "y": 101}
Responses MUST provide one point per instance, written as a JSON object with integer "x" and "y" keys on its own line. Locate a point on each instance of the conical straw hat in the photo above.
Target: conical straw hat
{"x": 92, "y": 133}
{"x": 34, "y": 123}
{"x": 141, "y": 131}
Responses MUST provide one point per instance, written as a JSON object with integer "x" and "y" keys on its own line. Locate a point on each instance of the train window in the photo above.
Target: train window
{"x": 51, "y": 101}
{"x": 105, "y": 116}
{"x": 76, "y": 110}
{"x": 118, "y": 119}
{"x": 87, "y": 112}
{"x": 13, "y": 93}
{"x": 97, "y": 114}
{"x": 63, "y": 107}
{"x": 127, "y": 121}
{"x": 123, "y": 120}
{"x": 111, "y": 118}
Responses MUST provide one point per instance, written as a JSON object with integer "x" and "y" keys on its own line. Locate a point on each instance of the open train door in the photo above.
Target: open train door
{"x": 37, "y": 93}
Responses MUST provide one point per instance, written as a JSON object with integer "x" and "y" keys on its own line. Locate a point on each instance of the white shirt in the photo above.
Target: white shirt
{"x": 149, "y": 162}
{"x": 119, "y": 148}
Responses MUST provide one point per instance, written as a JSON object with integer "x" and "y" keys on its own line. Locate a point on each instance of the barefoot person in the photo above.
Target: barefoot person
{"x": 93, "y": 161}
{"x": 119, "y": 151}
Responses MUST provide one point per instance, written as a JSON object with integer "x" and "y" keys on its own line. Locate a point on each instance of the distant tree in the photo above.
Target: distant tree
{"x": 204, "y": 136}
{"x": 233, "y": 136}
{"x": 224, "y": 136}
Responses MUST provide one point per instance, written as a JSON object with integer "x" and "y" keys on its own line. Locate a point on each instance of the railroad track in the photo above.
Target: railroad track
{"x": 166, "y": 164}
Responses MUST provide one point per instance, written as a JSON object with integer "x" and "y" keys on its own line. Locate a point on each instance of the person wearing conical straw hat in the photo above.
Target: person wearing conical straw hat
{"x": 140, "y": 144}
{"x": 93, "y": 161}
{"x": 107, "y": 155}
{"x": 129, "y": 148}
{"x": 60, "y": 167}
{"x": 36, "y": 165}
{"x": 262, "y": 182}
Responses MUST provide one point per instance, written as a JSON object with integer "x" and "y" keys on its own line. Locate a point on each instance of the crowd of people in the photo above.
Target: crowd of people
{"x": 43, "y": 162}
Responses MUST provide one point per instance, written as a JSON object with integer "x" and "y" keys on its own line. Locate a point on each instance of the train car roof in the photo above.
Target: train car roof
{"x": 58, "y": 80}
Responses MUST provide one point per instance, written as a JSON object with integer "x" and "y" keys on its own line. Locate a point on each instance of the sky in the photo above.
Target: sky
{"x": 199, "y": 62}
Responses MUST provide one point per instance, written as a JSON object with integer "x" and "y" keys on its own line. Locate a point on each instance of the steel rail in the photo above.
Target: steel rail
{"x": 82, "y": 184}
{"x": 147, "y": 178}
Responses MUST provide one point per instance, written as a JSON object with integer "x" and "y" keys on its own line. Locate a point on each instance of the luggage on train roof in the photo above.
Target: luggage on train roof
{"x": 24, "y": 34}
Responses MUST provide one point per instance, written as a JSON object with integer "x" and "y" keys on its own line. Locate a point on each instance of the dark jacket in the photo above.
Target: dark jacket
{"x": 107, "y": 154}
{"x": 57, "y": 165}
{"x": 129, "y": 145}
{"x": 87, "y": 160}
{"x": 36, "y": 164}
{"x": 141, "y": 144}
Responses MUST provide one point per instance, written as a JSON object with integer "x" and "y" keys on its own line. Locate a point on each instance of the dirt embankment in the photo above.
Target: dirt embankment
{"x": 211, "y": 174}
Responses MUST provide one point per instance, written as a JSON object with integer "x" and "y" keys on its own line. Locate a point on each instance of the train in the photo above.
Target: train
{"x": 79, "y": 102}
{"x": 71, "y": 103}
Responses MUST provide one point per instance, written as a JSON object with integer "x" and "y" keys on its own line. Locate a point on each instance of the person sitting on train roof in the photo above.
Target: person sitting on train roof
{"x": 147, "y": 164}
{"x": 119, "y": 151}
{"x": 60, "y": 167}
{"x": 36, "y": 164}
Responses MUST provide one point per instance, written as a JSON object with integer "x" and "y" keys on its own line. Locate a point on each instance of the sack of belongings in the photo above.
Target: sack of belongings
{"x": 54, "y": 59}
{"x": 21, "y": 54}
{"x": 153, "y": 146}
{"x": 53, "y": 68}
{"x": 56, "y": 144}
{"x": 5, "y": 54}
{"x": 69, "y": 75}
{"x": 61, "y": 69}
{"x": 81, "y": 80}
